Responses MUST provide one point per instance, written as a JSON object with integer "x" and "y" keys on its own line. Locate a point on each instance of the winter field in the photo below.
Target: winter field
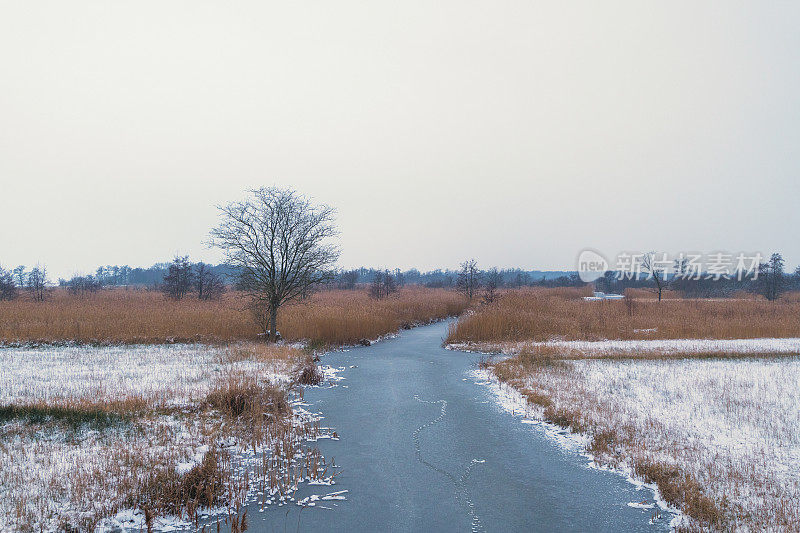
{"x": 167, "y": 436}
{"x": 720, "y": 438}
{"x": 713, "y": 422}
{"x": 106, "y": 423}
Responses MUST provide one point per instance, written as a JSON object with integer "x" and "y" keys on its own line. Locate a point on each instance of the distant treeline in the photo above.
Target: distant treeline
{"x": 771, "y": 281}
{"x": 515, "y": 277}
{"x": 153, "y": 277}
{"x": 116, "y": 275}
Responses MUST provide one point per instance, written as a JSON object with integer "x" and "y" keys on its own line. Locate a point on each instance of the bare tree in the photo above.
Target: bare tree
{"x": 658, "y": 274}
{"x": 279, "y": 241}
{"x": 8, "y": 289}
{"x": 376, "y": 287}
{"x": 179, "y": 279}
{"x": 771, "y": 278}
{"x": 492, "y": 282}
{"x": 607, "y": 282}
{"x": 389, "y": 283}
{"x": 522, "y": 279}
{"x": 469, "y": 278}
{"x": 348, "y": 279}
{"x": 37, "y": 283}
{"x": 19, "y": 274}
{"x": 208, "y": 284}
{"x": 83, "y": 284}
{"x": 383, "y": 284}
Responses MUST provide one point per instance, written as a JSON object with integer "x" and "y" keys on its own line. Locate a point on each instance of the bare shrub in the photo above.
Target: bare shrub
{"x": 491, "y": 284}
{"x": 384, "y": 284}
{"x": 308, "y": 373}
{"x": 36, "y": 283}
{"x": 208, "y": 285}
{"x": 179, "y": 280}
{"x": 469, "y": 278}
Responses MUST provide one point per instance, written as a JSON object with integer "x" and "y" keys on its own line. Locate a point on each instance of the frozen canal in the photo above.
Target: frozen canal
{"x": 425, "y": 448}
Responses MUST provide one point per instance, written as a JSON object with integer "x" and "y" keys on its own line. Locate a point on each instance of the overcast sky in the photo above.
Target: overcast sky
{"x": 515, "y": 132}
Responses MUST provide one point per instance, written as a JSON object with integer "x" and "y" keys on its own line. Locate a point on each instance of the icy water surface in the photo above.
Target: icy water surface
{"x": 425, "y": 448}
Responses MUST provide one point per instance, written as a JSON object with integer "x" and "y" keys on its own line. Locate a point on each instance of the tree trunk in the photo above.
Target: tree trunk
{"x": 273, "y": 323}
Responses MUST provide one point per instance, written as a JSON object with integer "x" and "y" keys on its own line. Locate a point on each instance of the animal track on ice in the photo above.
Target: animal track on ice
{"x": 460, "y": 482}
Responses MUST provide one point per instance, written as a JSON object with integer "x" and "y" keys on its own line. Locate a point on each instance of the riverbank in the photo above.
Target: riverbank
{"x": 717, "y": 437}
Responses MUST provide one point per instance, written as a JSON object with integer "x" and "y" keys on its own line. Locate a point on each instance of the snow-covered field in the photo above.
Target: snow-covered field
{"x": 175, "y": 372}
{"x": 56, "y": 473}
{"x": 732, "y": 425}
{"x": 645, "y": 348}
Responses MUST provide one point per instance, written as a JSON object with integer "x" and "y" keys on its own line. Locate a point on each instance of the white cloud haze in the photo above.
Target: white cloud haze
{"x": 515, "y": 132}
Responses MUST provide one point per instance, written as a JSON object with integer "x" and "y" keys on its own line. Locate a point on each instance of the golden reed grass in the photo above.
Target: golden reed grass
{"x": 135, "y": 316}
{"x": 546, "y": 314}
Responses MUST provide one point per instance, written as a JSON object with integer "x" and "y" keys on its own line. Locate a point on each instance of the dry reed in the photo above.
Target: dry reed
{"x": 548, "y": 314}
{"x": 122, "y": 316}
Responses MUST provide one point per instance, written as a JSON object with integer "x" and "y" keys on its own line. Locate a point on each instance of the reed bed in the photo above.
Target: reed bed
{"x": 119, "y": 316}
{"x": 347, "y": 317}
{"x": 548, "y": 314}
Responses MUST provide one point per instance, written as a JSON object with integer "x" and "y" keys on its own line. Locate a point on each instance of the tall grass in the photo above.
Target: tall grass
{"x": 136, "y": 316}
{"x": 547, "y": 314}
{"x": 345, "y": 317}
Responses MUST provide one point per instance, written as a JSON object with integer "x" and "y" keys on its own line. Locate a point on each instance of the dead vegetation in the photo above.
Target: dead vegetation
{"x": 335, "y": 317}
{"x": 158, "y": 456}
{"x": 664, "y": 413}
{"x": 547, "y": 314}
{"x": 239, "y": 395}
{"x": 164, "y": 491}
{"x": 706, "y": 433}
{"x": 308, "y": 373}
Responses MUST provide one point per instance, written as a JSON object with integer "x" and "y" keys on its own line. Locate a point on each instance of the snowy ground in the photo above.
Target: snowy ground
{"x": 55, "y": 474}
{"x": 176, "y": 373}
{"x": 731, "y": 424}
{"x": 512, "y": 401}
{"x": 645, "y": 348}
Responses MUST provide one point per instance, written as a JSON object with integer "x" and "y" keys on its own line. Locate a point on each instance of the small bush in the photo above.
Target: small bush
{"x": 603, "y": 443}
{"x": 565, "y": 418}
{"x": 309, "y": 374}
{"x": 239, "y": 395}
{"x": 167, "y": 492}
